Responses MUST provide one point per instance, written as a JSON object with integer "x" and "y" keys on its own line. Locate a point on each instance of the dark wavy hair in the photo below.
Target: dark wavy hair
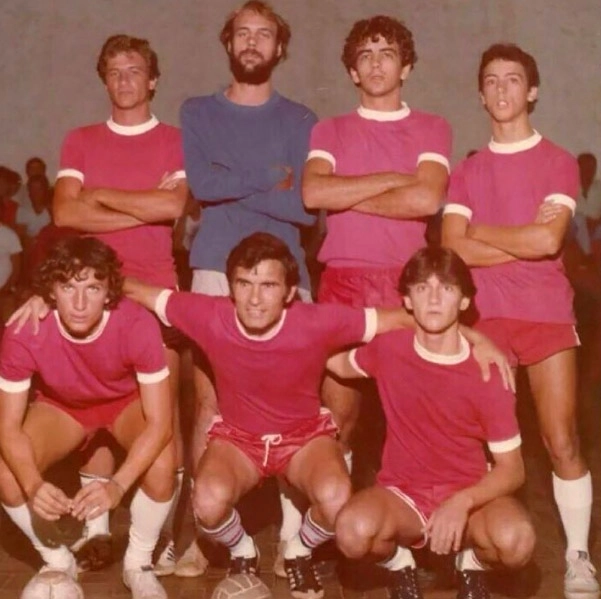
{"x": 441, "y": 262}
{"x": 67, "y": 258}
{"x": 122, "y": 43}
{"x": 258, "y": 247}
{"x": 265, "y": 10}
{"x": 392, "y": 30}
{"x": 512, "y": 53}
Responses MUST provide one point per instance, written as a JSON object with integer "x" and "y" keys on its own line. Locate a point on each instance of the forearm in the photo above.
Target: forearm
{"x": 17, "y": 452}
{"x": 143, "y": 452}
{"x": 140, "y": 292}
{"x": 149, "y": 206}
{"x": 526, "y": 242}
{"x": 390, "y": 319}
{"x": 476, "y": 253}
{"x": 336, "y": 192}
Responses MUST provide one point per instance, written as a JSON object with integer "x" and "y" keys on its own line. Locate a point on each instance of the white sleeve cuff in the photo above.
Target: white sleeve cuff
{"x": 352, "y": 357}
{"x": 563, "y": 199}
{"x": 70, "y": 172}
{"x": 458, "y": 209}
{"x": 505, "y": 446}
{"x": 14, "y": 386}
{"x": 323, "y": 155}
{"x": 434, "y": 157}
{"x": 148, "y": 378}
{"x": 160, "y": 306}
{"x": 371, "y": 324}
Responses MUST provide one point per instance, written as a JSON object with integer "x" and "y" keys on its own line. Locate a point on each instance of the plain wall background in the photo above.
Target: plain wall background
{"x": 49, "y": 51}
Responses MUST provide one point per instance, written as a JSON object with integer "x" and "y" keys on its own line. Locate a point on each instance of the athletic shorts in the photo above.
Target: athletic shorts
{"x": 526, "y": 342}
{"x": 101, "y": 415}
{"x": 423, "y": 501}
{"x": 360, "y": 287}
{"x": 215, "y": 283}
{"x": 271, "y": 453}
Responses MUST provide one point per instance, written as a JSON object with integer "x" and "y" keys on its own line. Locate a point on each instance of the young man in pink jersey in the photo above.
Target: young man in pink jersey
{"x": 379, "y": 172}
{"x": 123, "y": 181}
{"x": 435, "y": 484}
{"x": 100, "y": 364}
{"x": 509, "y": 208}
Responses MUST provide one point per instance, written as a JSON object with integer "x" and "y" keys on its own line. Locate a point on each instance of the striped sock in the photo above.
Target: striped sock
{"x": 311, "y": 535}
{"x": 232, "y": 534}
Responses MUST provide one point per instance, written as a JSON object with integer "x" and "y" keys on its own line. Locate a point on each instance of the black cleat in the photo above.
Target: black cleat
{"x": 303, "y": 578}
{"x": 244, "y": 565}
{"x": 472, "y": 585}
{"x": 403, "y": 584}
{"x": 96, "y": 553}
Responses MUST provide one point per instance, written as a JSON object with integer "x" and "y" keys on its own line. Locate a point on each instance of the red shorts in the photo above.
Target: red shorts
{"x": 527, "y": 342}
{"x": 272, "y": 453}
{"x": 423, "y": 501}
{"x": 96, "y": 416}
{"x": 360, "y": 287}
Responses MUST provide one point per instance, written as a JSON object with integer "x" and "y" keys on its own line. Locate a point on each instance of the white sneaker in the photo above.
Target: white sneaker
{"x": 165, "y": 565}
{"x": 192, "y": 563}
{"x": 278, "y": 564}
{"x": 52, "y": 582}
{"x": 580, "y": 581}
{"x": 143, "y": 584}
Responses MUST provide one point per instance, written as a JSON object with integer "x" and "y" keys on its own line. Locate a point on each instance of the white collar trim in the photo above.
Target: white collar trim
{"x": 447, "y": 360}
{"x": 130, "y": 130}
{"x": 382, "y": 115}
{"x": 515, "y": 146}
{"x": 270, "y": 334}
{"x": 97, "y": 332}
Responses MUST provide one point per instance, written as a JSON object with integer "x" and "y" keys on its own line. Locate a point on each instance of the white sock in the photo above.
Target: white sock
{"x": 292, "y": 517}
{"x": 348, "y": 460}
{"x": 231, "y": 533}
{"x": 245, "y": 547}
{"x": 574, "y": 499}
{"x": 147, "y": 519}
{"x": 100, "y": 524}
{"x": 401, "y": 558}
{"x": 60, "y": 557}
{"x": 467, "y": 560}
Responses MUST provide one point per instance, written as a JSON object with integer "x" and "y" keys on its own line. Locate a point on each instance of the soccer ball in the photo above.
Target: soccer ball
{"x": 50, "y": 584}
{"x": 241, "y": 586}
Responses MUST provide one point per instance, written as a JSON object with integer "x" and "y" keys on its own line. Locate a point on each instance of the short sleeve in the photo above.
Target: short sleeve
{"x": 458, "y": 200}
{"x": 437, "y": 143}
{"x": 146, "y": 351}
{"x": 72, "y": 157}
{"x": 17, "y": 364}
{"x": 322, "y": 142}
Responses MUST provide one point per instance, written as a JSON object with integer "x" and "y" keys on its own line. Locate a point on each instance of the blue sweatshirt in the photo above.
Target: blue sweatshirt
{"x": 235, "y": 155}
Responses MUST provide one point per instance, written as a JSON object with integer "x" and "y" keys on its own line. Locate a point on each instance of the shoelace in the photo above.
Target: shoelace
{"x": 405, "y": 582}
{"x": 297, "y": 575}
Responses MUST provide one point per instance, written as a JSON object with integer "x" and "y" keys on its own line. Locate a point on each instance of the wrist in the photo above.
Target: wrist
{"x": 121, "y": 488}
{"x": 32, "y": 487}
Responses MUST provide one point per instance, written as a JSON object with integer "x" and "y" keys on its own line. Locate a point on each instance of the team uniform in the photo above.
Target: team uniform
{"x": 434, "y": 439}
{"x": 91, "y": 379}
{"x": 109, "y": 155}
{"x": 524, "y": 305}
{"x": 269, "y": 385}
{"x": 364, "y": 253}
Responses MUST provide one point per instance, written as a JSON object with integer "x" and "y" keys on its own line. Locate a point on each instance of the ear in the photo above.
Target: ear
{"x": 354, "y": 76}
{"x": 532, "y": 94}
{"x": 152, "y": 84}
{"x": 291, "y": 294}
{"x": 464, "y": 303}
{"x": 405, "y": 72}
{"x": 278, "y": 51}
{"x": 407, "y": 303}
{"x": 482, "y": 99}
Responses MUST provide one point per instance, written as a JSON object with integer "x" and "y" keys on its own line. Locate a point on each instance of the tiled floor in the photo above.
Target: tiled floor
{"x": 543, "y": 580}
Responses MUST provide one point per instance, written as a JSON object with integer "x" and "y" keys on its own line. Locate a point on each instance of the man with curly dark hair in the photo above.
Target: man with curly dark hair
{"x": 379, "y": 172}
{"x": 99, "y": 362}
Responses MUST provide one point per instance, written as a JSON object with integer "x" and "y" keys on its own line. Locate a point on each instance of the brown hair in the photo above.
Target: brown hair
{"x": 513, "y": 53}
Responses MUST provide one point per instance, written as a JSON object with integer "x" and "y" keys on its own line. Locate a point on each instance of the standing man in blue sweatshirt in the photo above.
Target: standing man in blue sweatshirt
{"x": 244, "y": 151}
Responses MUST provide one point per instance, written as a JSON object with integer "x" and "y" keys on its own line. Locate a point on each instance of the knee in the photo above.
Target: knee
{"x": 332, "y": 494}
{"x": 212, "y": 499}
{"x": 159, "y": 480}
{"x": 353, "y": 533}
{"x": 515, "y": 544}
{"x": 563, "y": 446}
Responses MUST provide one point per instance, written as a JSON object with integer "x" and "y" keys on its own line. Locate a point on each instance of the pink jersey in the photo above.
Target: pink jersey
{"x": 439, "y": 412}
{"x": 108, "y": 155}
{"x": 270, "y": 384}
{"x": 78, "y": 373}
{"x": 365, "y": 142}
{"x": 505, "y": 184}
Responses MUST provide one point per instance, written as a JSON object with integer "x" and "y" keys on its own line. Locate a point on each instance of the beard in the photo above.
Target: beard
{"x": 254, "y": 74}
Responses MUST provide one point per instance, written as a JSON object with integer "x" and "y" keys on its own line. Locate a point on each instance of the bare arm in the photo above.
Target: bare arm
{"x": 323, "y": 189}
{"x": 76, "y": 208}
{"x": 473, "y": 252}
{"x": 528, "y": 242}
{"x": 420, "y": 194}
{"x": 140, "y": 292}
{"x": 447, "y": 523}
